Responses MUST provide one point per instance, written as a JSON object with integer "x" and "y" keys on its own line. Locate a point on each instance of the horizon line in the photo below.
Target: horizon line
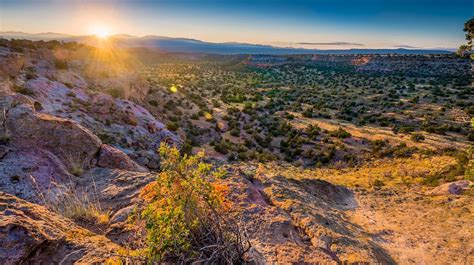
{"x": 271, "y": 44}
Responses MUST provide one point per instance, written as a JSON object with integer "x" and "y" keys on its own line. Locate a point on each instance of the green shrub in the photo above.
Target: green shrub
{"x": 185, "y": 213}
{"x": 340, "y": 133}
{"x": 60, "y": 64}
{"x": 172, "y": 126}
{"x": 417, "y": 137}
{"x": 235, "y": 132}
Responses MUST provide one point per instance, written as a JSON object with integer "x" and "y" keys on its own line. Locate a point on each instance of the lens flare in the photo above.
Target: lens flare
{"x": 174, "y": 89}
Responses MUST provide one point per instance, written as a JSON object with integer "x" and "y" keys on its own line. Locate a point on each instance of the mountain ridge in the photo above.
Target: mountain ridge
{"x": 189, "y": 45}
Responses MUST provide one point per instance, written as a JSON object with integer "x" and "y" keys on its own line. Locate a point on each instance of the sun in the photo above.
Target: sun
{"x": 101, "y": 31}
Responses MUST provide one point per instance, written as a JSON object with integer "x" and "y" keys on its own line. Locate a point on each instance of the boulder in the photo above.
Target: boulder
{"x": 75, "y": 145}
{"x": 453, "y": 188}
{"x": 122, "y": 215}
{"x": 111, "y": 157}
{"x": 32, "y": 174}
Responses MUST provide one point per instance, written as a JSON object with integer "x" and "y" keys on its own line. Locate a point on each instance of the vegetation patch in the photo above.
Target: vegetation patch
{"x": 185, "y": 213}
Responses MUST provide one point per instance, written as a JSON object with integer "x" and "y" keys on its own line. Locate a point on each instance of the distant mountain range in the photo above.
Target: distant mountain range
{"x": 168, "y": 44}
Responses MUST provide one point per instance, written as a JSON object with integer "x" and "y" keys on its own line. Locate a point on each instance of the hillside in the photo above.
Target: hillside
{"x": 318, "y": 158}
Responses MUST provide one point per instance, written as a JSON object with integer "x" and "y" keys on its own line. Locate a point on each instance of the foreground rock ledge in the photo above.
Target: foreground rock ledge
{"x": 32, "y": 234}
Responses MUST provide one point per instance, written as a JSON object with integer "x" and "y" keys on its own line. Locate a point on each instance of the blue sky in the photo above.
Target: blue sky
{"x": 301, "y": 23}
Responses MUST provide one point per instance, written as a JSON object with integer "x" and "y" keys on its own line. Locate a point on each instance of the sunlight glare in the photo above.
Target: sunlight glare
{"x": 174, "y": 89}
{"x": 101, "y": 31}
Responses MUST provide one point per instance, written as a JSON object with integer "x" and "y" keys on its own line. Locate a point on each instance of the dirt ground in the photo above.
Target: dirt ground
{"x": 418, "y": 229}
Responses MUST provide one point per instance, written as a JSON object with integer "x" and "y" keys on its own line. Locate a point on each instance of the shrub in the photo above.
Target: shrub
{"x": 464, "y": 168}
{"x": 116, "y": 92}
{"x": 31, "y": 73}
{"x": 184, "y": 215}
{"x": 470, "y": 136}
{"x": 172, "y": 126}
{"x": 221, "y": 147}
{"x": 377, "y": 183}
{"x": 153, "y": 102}
{"x": 417, "y": 137}
{"x": 23, "y": 90}
{"x": 61, "y": 64}
{"x": 235, "y": 132}
{"x": 340, "y": 133}
{"x": 406, "y": 129}
{"x": 4, "y": 139}
{"x": 194, "y": 116}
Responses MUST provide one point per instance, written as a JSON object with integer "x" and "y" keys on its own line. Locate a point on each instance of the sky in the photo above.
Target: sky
{"x": 319, "y": 24}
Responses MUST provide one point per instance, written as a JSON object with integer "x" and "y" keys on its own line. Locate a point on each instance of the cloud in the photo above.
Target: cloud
{"x": 406, "y": 46}
{"x": 337, "y": 43}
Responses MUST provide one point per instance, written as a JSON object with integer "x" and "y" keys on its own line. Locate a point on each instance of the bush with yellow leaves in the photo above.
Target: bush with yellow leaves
{"x": 185, "y": 213}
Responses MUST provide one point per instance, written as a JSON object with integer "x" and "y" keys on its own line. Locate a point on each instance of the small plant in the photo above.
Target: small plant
{"x": 79, "y": 206}
{"x": 76, "y": 170}
{"x": 71, "y": 203}
{"x": 172, "y": 126}
{"x": 377, "y": 183}
{"x": 116, "y": 92}
{"x": 340, "y": 133}
{"x": 60, "y": 64}
{"x": 75, "y": 164}
{"x": 22, "y": 90}
{"x": 185, "y": 213}
{"x": 417, "y": 137}
{"x": 4, "y": 139}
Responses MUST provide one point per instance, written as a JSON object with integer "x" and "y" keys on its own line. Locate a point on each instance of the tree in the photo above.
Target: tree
{"x": 469, "y": 29}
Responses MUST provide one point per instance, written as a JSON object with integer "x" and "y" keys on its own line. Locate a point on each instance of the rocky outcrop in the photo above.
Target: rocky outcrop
{"x": 59, "y": 136}
{"x": 29, "y": 172}
{"x": 11, "y": 63}
{"x": 118, "y": 122}
{"x": 30, "y": 234}
{"x": 110, "y": 157}
{"x": 113, "y": 188}
{"x": 317, "y": 208}
{"x": 299, "y": 220}
{"x": 452, "y": 188}
{"x": 73, "y": 144}
{"x": 273, "y": 236}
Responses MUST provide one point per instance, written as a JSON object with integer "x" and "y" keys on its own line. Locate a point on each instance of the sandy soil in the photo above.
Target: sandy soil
{"x": 416, "y": 228}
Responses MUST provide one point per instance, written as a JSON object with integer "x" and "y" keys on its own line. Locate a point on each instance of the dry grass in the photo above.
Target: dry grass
{"x": 75, "y": 164}
{"x": 74, "y": 204}
{"x": 386, "y": 172}
{"x": 80, "y": 207}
